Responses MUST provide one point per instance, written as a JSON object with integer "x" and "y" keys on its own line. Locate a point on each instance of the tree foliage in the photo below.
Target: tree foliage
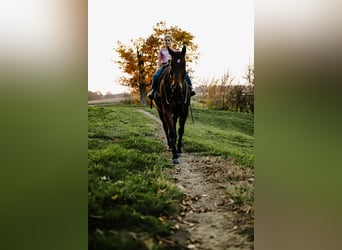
{"x": 147, "y": 49}
{"x": 249, "y": 76}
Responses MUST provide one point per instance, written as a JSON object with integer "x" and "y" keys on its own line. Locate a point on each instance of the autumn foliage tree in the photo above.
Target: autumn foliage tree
{"x": 138, "y": 60}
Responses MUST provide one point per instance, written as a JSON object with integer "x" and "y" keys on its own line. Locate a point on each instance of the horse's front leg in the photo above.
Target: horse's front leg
{"x": 175, "y": 118}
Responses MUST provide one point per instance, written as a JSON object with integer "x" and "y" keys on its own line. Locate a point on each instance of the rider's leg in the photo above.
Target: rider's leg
{"x": 155, "y": 82}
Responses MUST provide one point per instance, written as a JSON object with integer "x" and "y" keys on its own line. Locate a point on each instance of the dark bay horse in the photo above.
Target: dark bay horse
{"x": 174, "y": 101}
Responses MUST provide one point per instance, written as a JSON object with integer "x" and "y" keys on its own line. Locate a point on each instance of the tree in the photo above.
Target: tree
{"x": 249, "y": 76}
{"x": 213, "y": 92}
{"x": 138, "y": 60}
{"x": 250, "y": 79}
{"x": 226, "y": 82}
{"x": 204, "y": 91}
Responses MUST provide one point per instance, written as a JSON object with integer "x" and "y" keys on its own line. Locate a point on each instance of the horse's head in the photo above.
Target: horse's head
{"x": 177, "y": 69}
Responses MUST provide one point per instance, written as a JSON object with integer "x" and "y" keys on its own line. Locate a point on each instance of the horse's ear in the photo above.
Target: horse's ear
{"x": 183, "y": 50}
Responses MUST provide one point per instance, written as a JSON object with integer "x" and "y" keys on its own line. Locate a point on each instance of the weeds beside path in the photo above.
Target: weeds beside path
{"x": 217, "y": 207}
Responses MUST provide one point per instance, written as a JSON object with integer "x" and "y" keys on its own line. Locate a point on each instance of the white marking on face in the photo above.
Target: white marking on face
{"x": 178, "y": 60}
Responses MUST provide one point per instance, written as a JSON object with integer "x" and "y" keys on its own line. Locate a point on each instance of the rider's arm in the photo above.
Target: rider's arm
{"x": 159, "y": 63}
{"x": 160, "y": 59}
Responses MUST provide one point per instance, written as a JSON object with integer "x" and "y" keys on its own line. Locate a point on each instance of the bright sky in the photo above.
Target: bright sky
{"x": 224, "y": 31}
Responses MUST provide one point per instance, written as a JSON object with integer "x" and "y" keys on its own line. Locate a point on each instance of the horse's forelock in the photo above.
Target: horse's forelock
{"x": 178, "y": 69}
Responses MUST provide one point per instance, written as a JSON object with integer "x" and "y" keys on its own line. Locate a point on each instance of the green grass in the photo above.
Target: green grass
{"x": 128, "y": 191}
{"x": 131, "y": 199}
{"x": 220, "y": 133}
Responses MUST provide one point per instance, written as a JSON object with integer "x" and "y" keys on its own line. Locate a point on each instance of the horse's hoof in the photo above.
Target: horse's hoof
{"x": 175, "y": 161}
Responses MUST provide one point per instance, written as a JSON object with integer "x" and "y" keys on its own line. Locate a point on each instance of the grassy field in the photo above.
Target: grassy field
{"x": 220, "y": 133}
{"x": 130, "y": 196}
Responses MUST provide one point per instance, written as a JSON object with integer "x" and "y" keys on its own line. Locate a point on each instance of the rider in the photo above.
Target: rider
{"x": 163, "y": 59}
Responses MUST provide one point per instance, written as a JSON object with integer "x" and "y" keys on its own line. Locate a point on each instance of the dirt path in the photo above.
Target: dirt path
{"x": 211, "y": 217}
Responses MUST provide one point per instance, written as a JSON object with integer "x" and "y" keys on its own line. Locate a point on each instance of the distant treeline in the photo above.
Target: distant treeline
{"x": 237, "y": 98}
{"x": 99, "y": 96}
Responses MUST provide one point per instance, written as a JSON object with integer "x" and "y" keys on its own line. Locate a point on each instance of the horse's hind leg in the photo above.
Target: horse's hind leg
{"x": 182, "y": 121}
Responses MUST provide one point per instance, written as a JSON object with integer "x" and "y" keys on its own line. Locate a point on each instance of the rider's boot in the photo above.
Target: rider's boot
{"x": 151, "y": 94}
{"x": 192, "y": 91}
